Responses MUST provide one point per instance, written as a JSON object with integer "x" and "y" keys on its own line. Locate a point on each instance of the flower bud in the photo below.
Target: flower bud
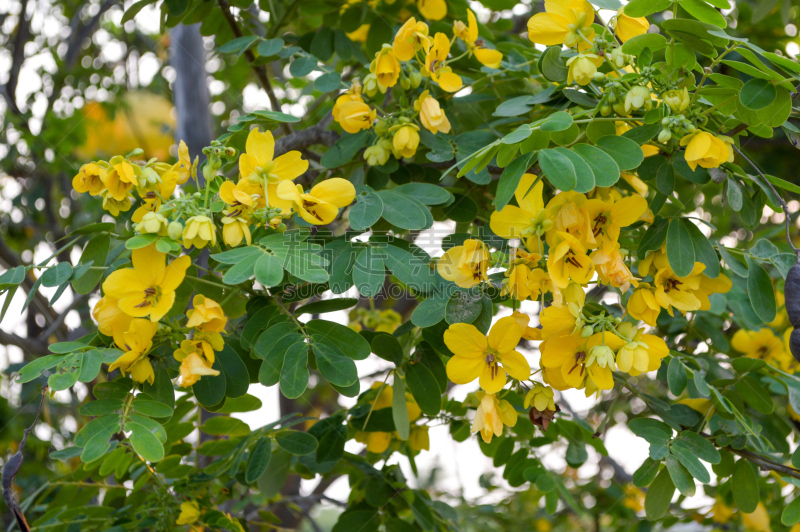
{"x": 665, "y": 135}
{"x": 377, "y": 154}
{"x": 602, "y": 355}
{"x": 416, "y": 79}
{"x": 587, "y": 331}
{"x": 599, "y": 76}
{"x": 174, "y": 230}
{"x": 677, "y": 100}
{"x": 605, "y": 110}
{"x": 152, "y": 223}
{"x": 405, "y": 83}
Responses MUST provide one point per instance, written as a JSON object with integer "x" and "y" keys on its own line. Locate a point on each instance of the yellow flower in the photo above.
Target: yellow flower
{"x": 758, "y": 520}
{"x": 560, "y": 321}
{"x": 378, "y": 153}
{"x": 762, "y": 344}
{"x": 541, "y": 397}
{"x": 410, "y": 38}
{"x": 388, "y": 321}
{"x": 190, "y": 512}
{"x": 187, "y": 167}
{"x": 147, "y": 289}
{"x": 568, "y": 260}
{"x": 628, "y": 27}
{"x": 353, "y": 94}
{"x": 528, "y": 333}
{"x": 529, "y": 219}
{"x": 492, "y": 413}
{"x": 236, "y": 226}
{"x": 611, "y": 269}
{"x": 435, "y": 64}
{"x": 707, "y": 150}
{"x": 206, "y": 316}
{"x": 136, "y": 342}
{"x": 119, "y": 180}
{"x": 152, "y": 223}
{"x": 193, "y": 367}
{"x": 466, "y": 264}
{"x": 359, "y": 35}
{"x": 406, "y": 141}
{"x": 234, "y": 230}
{"x": 378, "y": 442}
{"x": 355, "y": 116}
{"x": 166, "y": 180}
{"x": 634, "y": 498}
{"x": 677, "y": 100}
{"x": 566, "y": 211}
{"x": 419, "y": 439}
{"x": 431, "y": 115}
{"x": 582, "y": 68}
{"x": 110, "y": 318}
{"x": 678, "y": 292}
{"x": 565, "y": 22}
{"x": 469, "y": 34}
{"x": 386, "y": 67}
{"x": 642, "y": 305}
{"x": 260, "y": 170}
{"x": 489, "y": 360}
{"x": 199, "y": 231}
{"x": 321, "y": 204}
{"x": 570, "y": 353}
{"x": 608, "y": 218}
{"x": 642, "y": 352}
{"x": 89, "y": 179}
{"x": 432, "y": 9}
{"x": 516, "y": 282}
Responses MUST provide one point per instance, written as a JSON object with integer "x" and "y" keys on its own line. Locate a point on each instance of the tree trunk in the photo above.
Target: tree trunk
{"x": 190, "y": 91}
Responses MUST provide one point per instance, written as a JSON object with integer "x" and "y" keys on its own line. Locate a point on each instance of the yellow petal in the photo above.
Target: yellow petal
{"x": 465, "y": 340}
{"x": 490, "y": 58}
{"x": 528, "y": 195}
{"x": 627, "y": 210}
{"x": 548, "y": 28}
{"x": 336, "y": 191}
{"x": 148, "y": 263}
{"x": 462, "y": 370}
{"x": 516, "y": 365}
{"x": 261, "y": 146}
{"x": 290, "y": 165}
{"x": 492, "y": 381}
{"x": 509, "y": 222}
{"x": 450, "y": 82}
{"x": 505, "y": 335}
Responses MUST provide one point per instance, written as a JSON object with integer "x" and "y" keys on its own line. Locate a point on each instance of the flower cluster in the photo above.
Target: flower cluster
{"x": 414, "y": 58}
{"x": 379, "y": 442}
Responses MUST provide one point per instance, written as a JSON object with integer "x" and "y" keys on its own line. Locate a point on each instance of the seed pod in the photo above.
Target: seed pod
{"x": 794, "y": 344}
{"x": 791, "y": 294}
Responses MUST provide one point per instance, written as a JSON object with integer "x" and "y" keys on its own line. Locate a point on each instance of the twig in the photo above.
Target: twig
{"x": 261, "y": 72}
{"x": 766, "y": 463}
{"x": 787, "y": 217}
{"x": 12, "y": 467}
{"x": 62, "y": 316}
{"x": 17, "y": 57}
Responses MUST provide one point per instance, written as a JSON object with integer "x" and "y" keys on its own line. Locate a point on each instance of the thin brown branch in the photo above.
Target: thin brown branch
{"x": 765, "y": 463}
{"x": 17, "y": 57}
{"x": 29, "y": 345}
{"x": 260, "y": 70}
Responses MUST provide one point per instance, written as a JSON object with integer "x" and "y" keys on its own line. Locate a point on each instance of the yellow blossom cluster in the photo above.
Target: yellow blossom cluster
{"x": 413, "y": 57}
{"x": 378, "y": 442}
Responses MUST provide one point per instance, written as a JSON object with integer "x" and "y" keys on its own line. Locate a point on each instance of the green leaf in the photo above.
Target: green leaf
{"x": 646, "y": 473}
{"x": 744, "y": 486}
{"x": 635, "y": 45}
{"x": 583, "y": 172}
{"x": 327, "y": 305}
{"x": 369, "y": 272}
{"x": 337, "y": 368}
{"x": 429, "y": 312}
{"x": 660, "y": 492}
{"x": 682, "y": 449}
{"x": 552, "y": 65}
{"x": 268, "y": 270}
{"x": 757, "y": 94}
{"x": 627, "y": 153}
{"x": 426, "y": 193}
{"x": 791, "y": 513}
{"x": 680, "y": 477}
{"x": 400, "y": 408}
{"x": 57, "y": 275}
{"x": 101, "y": 407}
{"x": 96, "y": 447}
{"x": 237, "y": 255}
{"x": 259, "y": 460}
{"x": 242, "y": 270}
{"x": 269, "y": 47}
{"x": 424, "y": 388}
{"x": 225, "y": 426}
{"x": 676, "y": 376}
{"x": 605, "y": 169}
{"x": 238, "y": 45}
{"x": 330, "y": 81}
{"x": 272, "y": 349}
{"x": 404, "y": 211}
{"x": 761, "y": 291}
{"x": 344, "y": 149}
{"x": 704, "y": 12}
{"x": 303, "y": 66}
{"x": 388, "y": 348}
{"x": 294, "y": 374}
{"x": 210, "y": 390}
{"x": 755, "y": 395}
{"x": 296, "y": 442}
{"x": 462, "y": 307}
{"x": 145, "y": 443}
{"x": 703, "y": 250}
{"x": 509, "y": 180}
{"x": 95, "y": 252}
{"x": 680, "y": 248}
{"x": 558, "y": 169}
{"x": 558, "y": 121}
{"x": 276, "y": 116}
{"x": 349, "y": 341}
{"x": 366, "y": 212}
{"x": 698, "y": 446}
{"x": 654, "y": 237}
{"x": 151, "y": 408}
{"x": 237, "y": 378}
